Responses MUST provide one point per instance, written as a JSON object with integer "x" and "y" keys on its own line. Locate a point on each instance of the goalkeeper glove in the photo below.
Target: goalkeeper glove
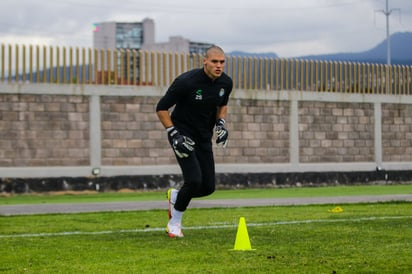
{"x": 221, "y": 133}
{"x": 182, "y": 145}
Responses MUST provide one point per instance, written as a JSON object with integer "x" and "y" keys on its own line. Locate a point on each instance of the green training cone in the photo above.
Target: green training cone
{"x": 242, "y": 237}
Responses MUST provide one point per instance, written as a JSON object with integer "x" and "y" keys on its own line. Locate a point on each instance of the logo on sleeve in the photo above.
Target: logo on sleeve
{"x": 199, "y": 94}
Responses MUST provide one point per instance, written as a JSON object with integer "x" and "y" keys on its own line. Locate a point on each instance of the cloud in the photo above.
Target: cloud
{"x": 288, "y": 28}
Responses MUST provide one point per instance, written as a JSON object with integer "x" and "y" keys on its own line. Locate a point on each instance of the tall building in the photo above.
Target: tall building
{"x": 138, "y": 36}
{"x": 119, "y": 35}
{"x": 123, "y": 35}
{"x": 141, "y": 35}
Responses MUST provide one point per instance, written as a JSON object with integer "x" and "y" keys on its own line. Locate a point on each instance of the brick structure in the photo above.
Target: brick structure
{"x": 397, "y": 132}
{"x": 336, "y": 132}
{"x": 259, "y": 132}
{"x": 132, "y": 134}
{"x": 44, "y": 130}
{"x": 67, "y": 131}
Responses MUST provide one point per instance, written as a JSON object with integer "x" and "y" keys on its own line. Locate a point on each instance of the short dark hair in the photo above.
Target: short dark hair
{"x": 213, "y": 47}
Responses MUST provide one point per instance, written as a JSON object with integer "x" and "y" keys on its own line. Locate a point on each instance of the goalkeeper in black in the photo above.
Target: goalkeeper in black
{"x": 200, "y": 97}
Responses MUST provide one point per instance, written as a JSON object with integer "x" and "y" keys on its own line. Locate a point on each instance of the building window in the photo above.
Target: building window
{"x": 129, "y": 35}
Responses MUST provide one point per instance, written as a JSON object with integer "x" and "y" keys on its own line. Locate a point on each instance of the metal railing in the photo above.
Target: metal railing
{"x": 87, "y": 66}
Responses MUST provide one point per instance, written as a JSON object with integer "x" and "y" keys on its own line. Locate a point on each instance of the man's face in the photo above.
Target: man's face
{"x": 214, "y": 64}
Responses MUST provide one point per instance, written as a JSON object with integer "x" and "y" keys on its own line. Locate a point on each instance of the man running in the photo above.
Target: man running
{"x": 200, "y": 97}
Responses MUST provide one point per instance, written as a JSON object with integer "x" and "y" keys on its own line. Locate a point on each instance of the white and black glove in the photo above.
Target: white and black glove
{"x": 221, "y": 133}
{"x": 182, "y": 145}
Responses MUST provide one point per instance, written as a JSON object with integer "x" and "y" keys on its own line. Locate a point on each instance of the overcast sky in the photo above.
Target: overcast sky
{"x": 289, "y": 28}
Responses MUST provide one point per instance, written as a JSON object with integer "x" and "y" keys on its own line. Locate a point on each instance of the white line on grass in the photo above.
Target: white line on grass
{"x": 71, "y": 233}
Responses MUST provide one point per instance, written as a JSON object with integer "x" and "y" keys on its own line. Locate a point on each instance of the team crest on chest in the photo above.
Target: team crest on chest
{"x": 221, "y": 92}
{"x": 198, "y": 94}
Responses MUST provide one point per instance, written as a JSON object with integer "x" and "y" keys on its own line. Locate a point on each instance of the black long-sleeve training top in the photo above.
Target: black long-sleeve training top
{"x": 196, "y": 98}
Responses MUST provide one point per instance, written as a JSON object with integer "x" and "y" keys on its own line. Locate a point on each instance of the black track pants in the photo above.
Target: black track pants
{"x": 198, "y": 174}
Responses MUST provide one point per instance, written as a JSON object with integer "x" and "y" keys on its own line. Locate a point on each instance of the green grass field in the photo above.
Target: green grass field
{"x": 364, "y": 238}
{"x": 90, "y": 197}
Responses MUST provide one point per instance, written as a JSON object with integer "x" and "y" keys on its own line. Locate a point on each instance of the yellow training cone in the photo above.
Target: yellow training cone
{"x": 337, "y": 209}
{"x": 242, "y": 237}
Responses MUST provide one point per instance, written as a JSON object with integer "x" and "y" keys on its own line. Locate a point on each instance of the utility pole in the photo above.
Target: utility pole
{"x": 387, "y": 12}
{"x": 388, "y": 37}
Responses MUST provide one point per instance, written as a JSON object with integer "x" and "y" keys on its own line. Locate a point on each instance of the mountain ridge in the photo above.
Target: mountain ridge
{"x": 401, "y": 52}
